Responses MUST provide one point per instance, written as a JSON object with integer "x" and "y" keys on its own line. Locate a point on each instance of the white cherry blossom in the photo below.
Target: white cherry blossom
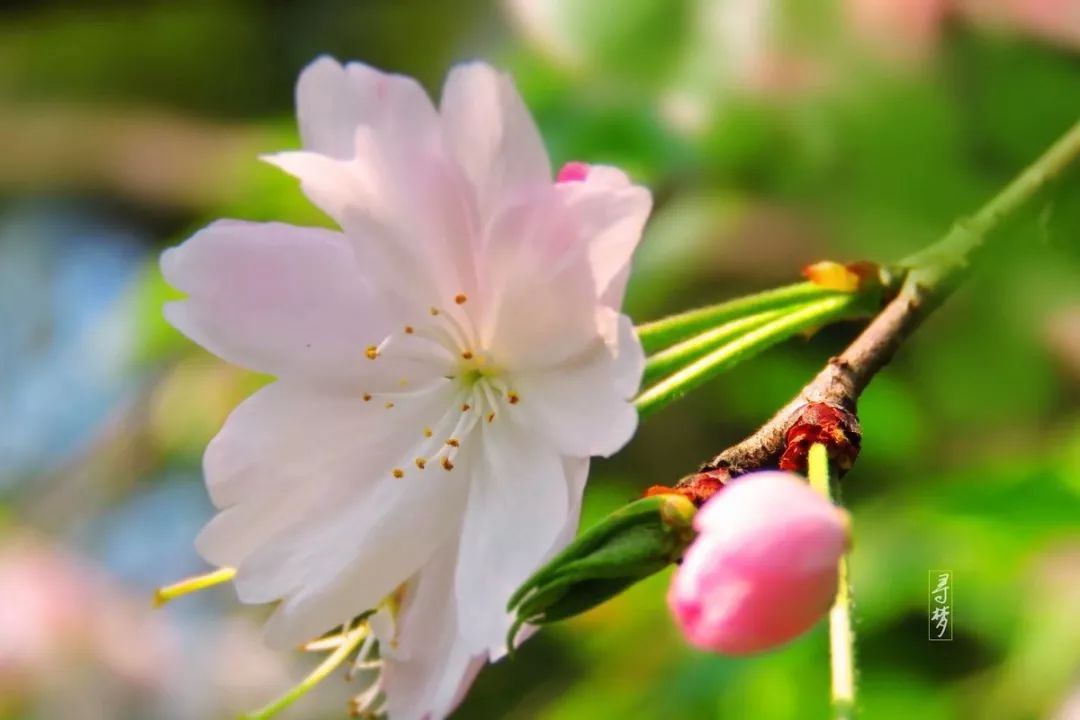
{"x": 446, "y": 364}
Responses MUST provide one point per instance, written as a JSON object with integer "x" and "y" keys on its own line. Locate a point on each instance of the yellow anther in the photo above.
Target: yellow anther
{"x": 467, "y": 355}
{"x": 453, "y": 442}
{"x": 447, "y": 465}
{"x": 491, "y": 417}
{"x": 434, "y": 311}
{"x": 367, "y": 397}
{"x": 403, "y": 382}
{"x": 421, "y": 463}
{"x": 513, "y": 397}
{"x": 466, "y": 407}
{"x": 398, "y": 473}
{"x": 388, "y": 405}
{"x": 372, "y": 352}
{"x": 427, "y": 432}
{"x": 409, "y": 330}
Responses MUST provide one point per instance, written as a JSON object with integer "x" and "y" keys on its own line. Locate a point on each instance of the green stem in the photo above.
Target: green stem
{"x": 811, "y": 316}
{"x": 668, "y": 361}
{"x": 937, "y": 268}
{"x": 661, "y": 333}
{"x": 841, "y": 637}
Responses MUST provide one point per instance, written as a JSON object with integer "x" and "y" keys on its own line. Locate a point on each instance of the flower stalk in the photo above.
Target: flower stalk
{"x": 938, "y": 268}
{"x": 682, "y": 354}
{"x": 676, "y": 328}
{"x": 841, "y": 635}
{"x": 808, "y": 317}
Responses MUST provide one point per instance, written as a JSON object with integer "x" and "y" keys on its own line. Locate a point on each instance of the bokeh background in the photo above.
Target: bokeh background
{"x": 772, "y": 132}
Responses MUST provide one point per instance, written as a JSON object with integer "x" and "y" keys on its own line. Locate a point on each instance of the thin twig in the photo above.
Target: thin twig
{"x": 931, "y": 276}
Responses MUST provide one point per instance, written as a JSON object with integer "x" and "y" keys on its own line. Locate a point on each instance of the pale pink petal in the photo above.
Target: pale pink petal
{"x": 275, "y": 298}
{"x": 328, "y": 485}
{"x": 538, "y": 304}
{"x": 576, "y": 470}
{"x": 287, "y": 453}
{"x": 412, "y": 222}
{"x": 626, "y": 350}
{"x": 492, "y": 136}
{"x": 429, "y": 670}
{"x": 578, "y": 406}
{"x": 326, "y": 568}
{"x": 349, "y": 191}
{"x": 332, "y": 101}
{"x": 610, "y": 215}
{"x": 271, "y": 440}
{"x": 517, "y": 507}
{"x": 380, "y": 542}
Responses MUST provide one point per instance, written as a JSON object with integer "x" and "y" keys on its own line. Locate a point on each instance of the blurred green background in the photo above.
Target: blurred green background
{"x": 772, "y": 133}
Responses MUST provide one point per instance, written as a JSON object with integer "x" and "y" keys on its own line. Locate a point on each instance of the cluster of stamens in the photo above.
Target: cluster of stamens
{"x": 448, "y": 340}
{"x": 358, "y": 636}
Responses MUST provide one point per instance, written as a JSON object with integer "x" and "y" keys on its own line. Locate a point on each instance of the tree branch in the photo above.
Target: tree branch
{"x": 839, "y": 384}
{"x": 931, "y": 276}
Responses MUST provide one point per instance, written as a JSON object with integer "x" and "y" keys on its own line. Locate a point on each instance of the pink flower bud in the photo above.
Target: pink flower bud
{"x": 763, "y": 568}
{"x": 572, "y": 172}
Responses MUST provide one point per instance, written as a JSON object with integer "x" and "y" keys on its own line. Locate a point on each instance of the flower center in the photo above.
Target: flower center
{"x": 448, "y": 339}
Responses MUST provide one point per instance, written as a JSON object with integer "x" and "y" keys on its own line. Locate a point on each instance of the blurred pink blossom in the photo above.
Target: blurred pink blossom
{"x": 910, "y": 29}
{"x": 763, "y": 569}
{"x": 62, "y": 622}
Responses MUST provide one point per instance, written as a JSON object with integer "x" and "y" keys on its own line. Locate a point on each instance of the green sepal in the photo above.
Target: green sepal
{"x": 629, "y": 545}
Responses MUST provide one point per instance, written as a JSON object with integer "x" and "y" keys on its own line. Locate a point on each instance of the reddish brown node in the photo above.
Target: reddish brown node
{"x": 834, "y": 427}
{"x": 696, "y": 488}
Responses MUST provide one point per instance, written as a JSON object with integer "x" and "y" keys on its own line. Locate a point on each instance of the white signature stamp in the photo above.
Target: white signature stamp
{"x": 939, "y": 606}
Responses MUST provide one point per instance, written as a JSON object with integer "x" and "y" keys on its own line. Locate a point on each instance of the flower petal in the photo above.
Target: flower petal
{"x": 611, "y": 215}
{"x": 328, "y": 571}
{"x": 275, "y": 298}
{"x": 410, "y": 219}
{"x": 427, "y": 674}
{"x": 583, "y": 407}
{"x": 518, "y": 504}
{"x": 539, "y": 300}
{"x": 492, "y": 136}
{"x": 332, "y": 101}
{"x": 315, "y": 505}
